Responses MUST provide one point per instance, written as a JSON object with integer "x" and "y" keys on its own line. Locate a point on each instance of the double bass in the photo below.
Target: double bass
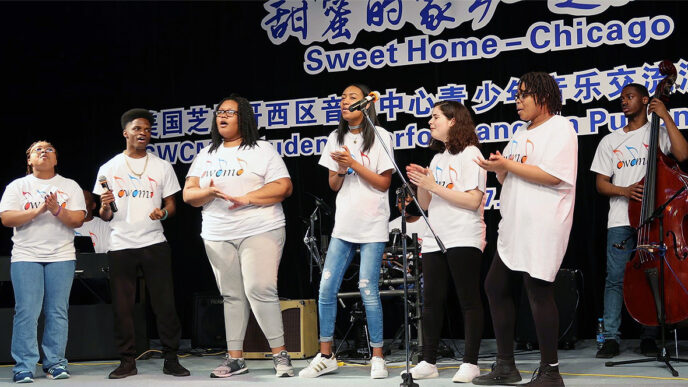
{"x": 642, "y": 289}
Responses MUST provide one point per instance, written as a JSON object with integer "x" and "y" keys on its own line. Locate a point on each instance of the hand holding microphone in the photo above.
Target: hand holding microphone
{"x": 107, "y": 197}
{"x": 360, "y": 105}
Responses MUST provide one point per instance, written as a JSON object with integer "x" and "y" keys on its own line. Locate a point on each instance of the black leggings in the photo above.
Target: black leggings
{"x": 463, "y": 264}
{"x": 499, "y": 287}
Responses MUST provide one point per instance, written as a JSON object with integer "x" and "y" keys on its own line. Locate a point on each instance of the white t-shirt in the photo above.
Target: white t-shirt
{"x": 45, "y": 238}
{"x": 456, "y": 226}
{"x": 536, "y": 219}
{"x": 623, "y": 157}
{"x": 418, "y": 227}
{"x": 237, "y": 171}
{"x": 136, "y": 198}
{"x": 99, "y": 232}
{"x": 362, "y": 212}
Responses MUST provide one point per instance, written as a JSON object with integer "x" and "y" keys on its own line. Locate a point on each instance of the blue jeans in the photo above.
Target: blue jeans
{"x": 613, "y": 286}
{"x": 40, "y": 285}
{"x": 339, "y": 256}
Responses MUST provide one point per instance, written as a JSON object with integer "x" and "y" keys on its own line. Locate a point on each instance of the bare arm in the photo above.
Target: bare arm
{"x": 679, "y": 145}
{"x": 169, "y": 208}
{"x": 606, "y": 188}
{"x": 380, "y": 181}
{"x": 423, "y": 178}
{"x": 196, "y": 196}
{"x": 502, "y": 166}
{"x": 17, "y": 218}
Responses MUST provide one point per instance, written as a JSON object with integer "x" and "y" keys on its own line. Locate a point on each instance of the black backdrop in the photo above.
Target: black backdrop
{"x": 71, "y": 69}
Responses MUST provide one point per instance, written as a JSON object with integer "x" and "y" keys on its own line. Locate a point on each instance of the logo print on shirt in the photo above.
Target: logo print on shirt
{"x": 453, "y": 176}
{"x": 225, "y": 168}
{"x": 532, "y": 148}
{"x": 512, "y": 147}
{"x": 634, "y": 160}
{"x": 134, "y": 188}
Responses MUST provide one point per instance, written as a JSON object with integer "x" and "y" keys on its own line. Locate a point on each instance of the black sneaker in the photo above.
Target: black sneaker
{"x": 648, "y": 347}
{"x": 546, "y": 376}
{"x": 127, "y": 367}
{"x": 172, "y": 367}
{"x": 503, "y": 372}
{"x": 609, "y": 349}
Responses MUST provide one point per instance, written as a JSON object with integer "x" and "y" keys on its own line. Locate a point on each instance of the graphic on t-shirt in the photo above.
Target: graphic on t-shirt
{"x": 365, "y": 160}
{"x": 35, "y": 200}
{"x": 132, "y": 187}
{"x": 512, "y": 149}
{"x": 225, "y": 168}
{"x": 532, "y": 148}
{"x": 453, "y": 176}
{"x": 632, "y": 161}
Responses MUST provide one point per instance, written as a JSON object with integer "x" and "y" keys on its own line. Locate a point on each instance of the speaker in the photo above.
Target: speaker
{"x": 567, "y": 297}
{"x": 298, "y": 316}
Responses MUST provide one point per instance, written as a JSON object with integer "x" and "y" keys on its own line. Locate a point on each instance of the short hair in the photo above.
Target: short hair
{"x": 544, "y": 89}
{"x": 132, "y": 114}
{"x": 642, "y": 90}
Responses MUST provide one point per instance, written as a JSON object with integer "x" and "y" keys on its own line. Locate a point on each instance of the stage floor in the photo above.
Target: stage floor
{"x": 579, "y": 368}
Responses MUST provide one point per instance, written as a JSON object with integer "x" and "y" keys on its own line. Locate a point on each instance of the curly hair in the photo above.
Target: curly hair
{"x": 461, "y": 134}
{"x": 366, "y": 130}
{"x": 246, "y": 124}
{"x": 544, "y": 89}
{"x": 29, "y": 168}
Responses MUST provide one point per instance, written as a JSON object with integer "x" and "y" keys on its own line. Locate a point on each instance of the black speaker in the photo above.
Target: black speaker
{"x": 567, "y": 297}
{"x": 208, "y": 327}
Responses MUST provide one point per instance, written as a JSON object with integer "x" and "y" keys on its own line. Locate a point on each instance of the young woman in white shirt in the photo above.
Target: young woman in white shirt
{"x": 452, "y": 190}
{"x": 538, "y": 174}
{"x": 44, "y": 208}
{"x": 360, "y": 172}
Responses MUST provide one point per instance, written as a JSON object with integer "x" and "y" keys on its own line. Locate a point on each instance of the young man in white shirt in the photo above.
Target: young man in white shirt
{"x": 139, "y": 183}
{"x": 619, "y": 171}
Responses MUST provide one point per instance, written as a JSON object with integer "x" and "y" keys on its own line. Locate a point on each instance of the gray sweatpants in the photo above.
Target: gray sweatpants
{"x": 246, "y": 274}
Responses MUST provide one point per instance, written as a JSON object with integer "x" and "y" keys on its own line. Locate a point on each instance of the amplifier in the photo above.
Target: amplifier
{"x": 298, "y": 316}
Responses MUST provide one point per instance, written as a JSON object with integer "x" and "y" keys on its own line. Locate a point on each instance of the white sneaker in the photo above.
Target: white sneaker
{"x": 423, "y": 370}
{"x": 466, "y": 373}
{"x": 319, "y": 366}
{"x": 378, "y": 368}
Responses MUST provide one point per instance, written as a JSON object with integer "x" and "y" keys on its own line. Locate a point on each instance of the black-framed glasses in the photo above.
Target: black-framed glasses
{"x": 522, "y": 95}
{"x": 41, "y": 150}
{"x": 228, "y": 113}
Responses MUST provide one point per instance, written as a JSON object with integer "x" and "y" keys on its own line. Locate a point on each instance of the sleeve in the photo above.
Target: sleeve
{"x": 10, "y": 199}
{"x": 171, "y": 184}
{"x": 664, "y": 141}
{"x": 325, "y": 159}
{"x": 602, "y": 162}
{"x": 561, "y": 156}
{"x": 471, "y": 176}
{"x": 76, "y": 201}
{"x": 384, "y": 162}
{"x": 196, "y": 168}
{"x": 276, "y": 169}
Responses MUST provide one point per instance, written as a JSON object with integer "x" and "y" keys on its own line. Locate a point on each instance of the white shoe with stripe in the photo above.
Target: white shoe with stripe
{"x": 319, "y": 366}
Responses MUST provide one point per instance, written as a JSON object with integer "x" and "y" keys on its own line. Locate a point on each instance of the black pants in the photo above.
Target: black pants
{"x": 499, "y": 286}
{"x": 463, "y": 265}
{"x": 155, "y": 262}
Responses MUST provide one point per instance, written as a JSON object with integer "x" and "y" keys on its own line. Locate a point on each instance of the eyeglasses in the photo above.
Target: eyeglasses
{"x": 41, "y": 150}
{"x": 228, "y": 113}
{"x": 522, "y": 95}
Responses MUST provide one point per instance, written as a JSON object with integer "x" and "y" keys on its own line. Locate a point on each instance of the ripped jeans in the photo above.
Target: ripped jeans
{"x": 339, "y": 256}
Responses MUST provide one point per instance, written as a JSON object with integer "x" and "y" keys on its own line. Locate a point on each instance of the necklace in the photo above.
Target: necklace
{"x": 354, "y": 127}
{"x": 145, "y": 164}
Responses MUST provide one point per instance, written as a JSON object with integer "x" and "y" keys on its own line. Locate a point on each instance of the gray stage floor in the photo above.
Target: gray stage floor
{"x": 579, "y": 368}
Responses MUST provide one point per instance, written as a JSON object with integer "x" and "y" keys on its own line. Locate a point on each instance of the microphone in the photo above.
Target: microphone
{"x": 359, "y": 105}
{"x": 327, "y": 210}
{"x": 103, "y": 183}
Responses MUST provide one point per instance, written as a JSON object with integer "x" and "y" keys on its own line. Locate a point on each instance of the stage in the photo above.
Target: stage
{"x": 579, "y": 368}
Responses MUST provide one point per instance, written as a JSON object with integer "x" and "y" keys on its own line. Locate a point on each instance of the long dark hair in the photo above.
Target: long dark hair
{"x": 544, "y": 89}
{"x": 29, "y": 168}
{"x": 246, "y": 123}
{"x": 461, "y": 134}
{"x": 366, "y": 130}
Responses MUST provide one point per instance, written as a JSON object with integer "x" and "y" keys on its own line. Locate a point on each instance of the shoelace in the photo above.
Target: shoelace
{"x": 536, "y": 374}
{"x": 281, "y": 360}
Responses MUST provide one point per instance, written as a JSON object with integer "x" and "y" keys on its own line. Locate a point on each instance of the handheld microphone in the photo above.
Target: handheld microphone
{"x": 359, "y": 105}
{"x": 103, "y": 183}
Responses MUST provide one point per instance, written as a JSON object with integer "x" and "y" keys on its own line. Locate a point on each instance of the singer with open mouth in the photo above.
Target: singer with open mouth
{"x": 360, "y": 172}
{"x": 452, "y": 189}
{"x": 241, "y": 181}
{"x": 44, "y": 208}
{"x": 133, "y": 186}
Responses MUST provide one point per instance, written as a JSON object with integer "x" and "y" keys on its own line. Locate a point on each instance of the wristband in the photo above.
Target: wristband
{"x": 166, "y": 213}
{"x": 59, "y": 208}
{"x": 341, "y": 174}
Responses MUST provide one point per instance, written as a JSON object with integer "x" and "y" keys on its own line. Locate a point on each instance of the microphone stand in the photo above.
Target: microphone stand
{"x": 407, "y": 379}
{"x": 663, "y": 356}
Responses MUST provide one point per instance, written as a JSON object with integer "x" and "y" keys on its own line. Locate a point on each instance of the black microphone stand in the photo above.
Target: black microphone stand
{"x": 407, "y": 379}
{"x": 663, "y": 355}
